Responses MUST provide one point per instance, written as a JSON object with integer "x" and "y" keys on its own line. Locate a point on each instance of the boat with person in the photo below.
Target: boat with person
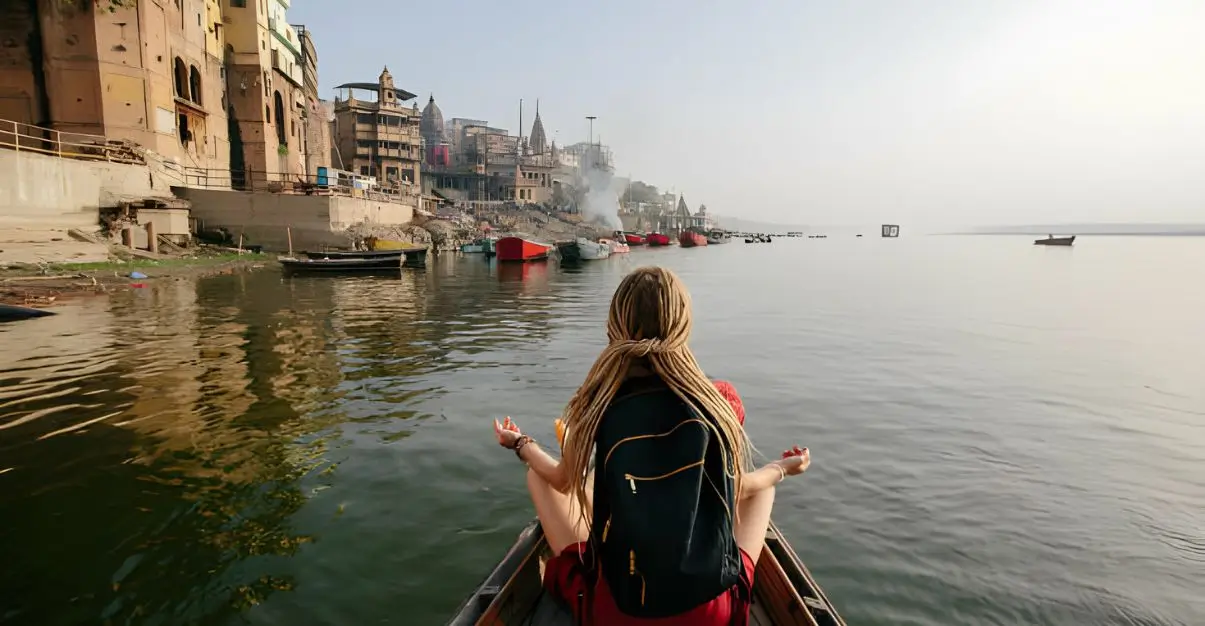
{"x": 656, "y": 239}
{"x": 691, "y": 238}
{"x": 784, "y": 592}
{"x": 1051, "y": 240}
{"x": 521, "y": 249}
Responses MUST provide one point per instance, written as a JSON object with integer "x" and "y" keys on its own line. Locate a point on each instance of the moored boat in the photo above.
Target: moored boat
{"x": 657, "y": 239}
{"x": 1051, "y": 240}
{"x": 520, "y": 249}
{"x": 784, "y": 591}
{"x": 13, "y": 313}
{"x": 617, "y": 247}
{"x": 354, "y": 254}
{"x": 568, "y": 251}
{"x": 592, "y": 250}
{"x": 717, "y": 237}
{"x": 377, "y": 244}
{"x": 632, "y": 239}
{"x": 478, "y": 246}
{"x": 691, "y": 239}
{"x": 342, "y": 266}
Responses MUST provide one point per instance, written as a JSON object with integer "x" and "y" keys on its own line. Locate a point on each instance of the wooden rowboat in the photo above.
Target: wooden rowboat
{"x": 1051, "y": 240}
{"x": 784, "y": 592}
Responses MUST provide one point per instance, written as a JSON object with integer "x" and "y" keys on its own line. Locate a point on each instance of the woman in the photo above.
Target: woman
{"x": 669, "y": 527}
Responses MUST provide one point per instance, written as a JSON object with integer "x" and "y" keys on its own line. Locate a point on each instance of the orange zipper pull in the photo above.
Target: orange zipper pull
{"x": 606, "y": 528}
{"x": 631, "y": 562}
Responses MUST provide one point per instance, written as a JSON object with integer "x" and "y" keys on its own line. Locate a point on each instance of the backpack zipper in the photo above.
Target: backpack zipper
{"x": 664, "y": 434}
{"x": 632, "y": 479}
{"x": 632, "y": 572}
{"x": 606, "y": 527}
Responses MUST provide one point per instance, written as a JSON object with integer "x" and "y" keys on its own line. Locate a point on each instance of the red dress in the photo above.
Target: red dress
{"x": 566, "y": 578}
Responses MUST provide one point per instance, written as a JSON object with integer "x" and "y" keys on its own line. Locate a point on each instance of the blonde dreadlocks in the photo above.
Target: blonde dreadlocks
{"x": 650, "y": 320}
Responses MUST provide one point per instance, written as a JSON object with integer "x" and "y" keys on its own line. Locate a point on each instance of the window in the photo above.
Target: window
{"x": 391, "y": 173}
{"x": 194, "y": 83}
{"x": 364, "y": 170}
{"x": 238, "y": 4}
{"x": 181, "y": 76}
{"x": 292, "y": 128}
{"x": 267, "y": 114}
{"x": 363, "y": 118}
{"x": 280, "y": 122}
{"x": 182, "y": 129}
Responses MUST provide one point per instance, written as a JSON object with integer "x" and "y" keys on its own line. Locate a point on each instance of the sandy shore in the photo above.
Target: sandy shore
{"x": 44, "y": 287}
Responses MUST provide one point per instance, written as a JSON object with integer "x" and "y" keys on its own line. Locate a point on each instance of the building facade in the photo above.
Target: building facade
{"x": 264, "y": 94}
{"x": 318, "y": 113}
{"x": 150, "y": 73}
{"x": 380, "y": 137}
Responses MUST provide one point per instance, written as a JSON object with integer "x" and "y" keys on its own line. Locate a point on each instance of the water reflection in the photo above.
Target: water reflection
{"x": 155, "y": 447}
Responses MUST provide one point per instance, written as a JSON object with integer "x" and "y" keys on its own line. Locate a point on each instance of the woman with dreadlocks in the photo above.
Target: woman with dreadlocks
{"x": 667, "y": 527}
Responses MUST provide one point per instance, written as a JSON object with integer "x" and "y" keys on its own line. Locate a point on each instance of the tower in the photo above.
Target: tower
{"x": 539, "y": 141}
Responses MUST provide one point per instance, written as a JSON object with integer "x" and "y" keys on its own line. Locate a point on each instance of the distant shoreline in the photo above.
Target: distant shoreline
{"x": 1200, "y": 233}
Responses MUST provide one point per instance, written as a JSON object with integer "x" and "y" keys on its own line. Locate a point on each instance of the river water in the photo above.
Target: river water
{"x": 1001, "y": 433}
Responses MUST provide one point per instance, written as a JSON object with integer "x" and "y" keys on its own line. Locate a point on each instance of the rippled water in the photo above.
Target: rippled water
{"x": 1002, "y": 434}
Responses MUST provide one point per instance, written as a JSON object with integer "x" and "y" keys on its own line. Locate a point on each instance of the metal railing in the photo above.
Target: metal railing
{"x": 23, "y": 137}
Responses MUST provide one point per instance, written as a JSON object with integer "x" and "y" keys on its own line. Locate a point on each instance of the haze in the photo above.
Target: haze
{"x": 933, "y": 114}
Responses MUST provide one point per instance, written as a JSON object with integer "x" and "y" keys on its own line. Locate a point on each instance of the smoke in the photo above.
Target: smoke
{"x": 600, "y": 200}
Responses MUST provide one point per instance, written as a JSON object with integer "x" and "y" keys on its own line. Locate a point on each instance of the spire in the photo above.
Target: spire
{"x": 539, "y": 140}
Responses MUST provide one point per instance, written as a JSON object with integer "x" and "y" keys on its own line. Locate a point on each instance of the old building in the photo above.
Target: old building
{"x": 317, "y": 114}
{"x": 150, "y": 72}
{"x": 264, "y": 82}
{"x": 379, "y": 137}
{"x": 435, "y": 144}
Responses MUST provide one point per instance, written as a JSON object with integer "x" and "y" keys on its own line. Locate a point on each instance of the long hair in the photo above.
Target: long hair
{"x": 649, "y": 320}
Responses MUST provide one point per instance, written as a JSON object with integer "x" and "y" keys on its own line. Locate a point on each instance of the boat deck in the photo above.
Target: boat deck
{"x": 549, "y": 612}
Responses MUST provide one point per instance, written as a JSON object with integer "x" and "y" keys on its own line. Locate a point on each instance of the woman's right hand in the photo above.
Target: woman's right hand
{"x": 795, "y": 461}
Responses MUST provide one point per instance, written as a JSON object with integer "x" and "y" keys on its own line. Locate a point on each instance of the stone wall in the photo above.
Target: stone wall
{"x": 46, "y": 192}
{"x": 266, "y": 219}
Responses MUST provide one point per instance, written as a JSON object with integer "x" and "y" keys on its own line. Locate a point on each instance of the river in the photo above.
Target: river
{"x": 1001, "y": 433}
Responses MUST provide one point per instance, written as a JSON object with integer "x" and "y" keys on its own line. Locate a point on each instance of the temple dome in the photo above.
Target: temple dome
{"x": 431, "y": 125}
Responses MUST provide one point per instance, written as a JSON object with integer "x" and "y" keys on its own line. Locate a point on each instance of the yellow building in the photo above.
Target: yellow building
{"x": 381, "y": 137}
{"x": 148, "y": 73}
{"x": 264, "y": 81}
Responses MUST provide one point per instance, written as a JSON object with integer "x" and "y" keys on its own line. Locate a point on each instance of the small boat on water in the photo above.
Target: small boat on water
{"x": 1051, "y": 240}
{"x": 13, "y": 313}
{"x": 520, "y": 249}
{"x": 632, "y": 239}
{"x": 691, "y": 239}
{"x": 617, "y": 247}
{"x": 354, "y": 254}
{"x": 478, "y": 246}
{"x": 717, "y": 237}
{"x": 657, "y": 239}
{"x": 582, "y": 249}
{"x": 784, "y": 592}
{"x": 377, "y": 244}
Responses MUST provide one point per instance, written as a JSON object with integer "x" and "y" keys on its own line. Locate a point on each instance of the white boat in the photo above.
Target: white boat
{"x": 716, "y": 237}
{"x": 617, "y": 247}
{"x": 592, "y": 250}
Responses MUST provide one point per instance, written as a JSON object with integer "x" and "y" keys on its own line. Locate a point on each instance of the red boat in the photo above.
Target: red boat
{"x": 520, "y": 249}
{"x": 658, "y": 239}
{"x": 691, "y": 239}
{"x": 632, "y": 239}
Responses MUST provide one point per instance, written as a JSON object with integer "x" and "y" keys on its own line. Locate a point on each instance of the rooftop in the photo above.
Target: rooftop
{"x": 400, "y": 94}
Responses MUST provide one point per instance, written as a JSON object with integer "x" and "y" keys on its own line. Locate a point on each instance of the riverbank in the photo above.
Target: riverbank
{"x": 43, "y": 286}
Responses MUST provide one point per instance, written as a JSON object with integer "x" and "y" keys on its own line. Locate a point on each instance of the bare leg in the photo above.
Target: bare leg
{"x": 752, "y": 522}
{"x": 559, "y": 513}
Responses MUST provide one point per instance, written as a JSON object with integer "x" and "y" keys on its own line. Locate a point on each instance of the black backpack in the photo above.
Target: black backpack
{"x": 663, "y": 504}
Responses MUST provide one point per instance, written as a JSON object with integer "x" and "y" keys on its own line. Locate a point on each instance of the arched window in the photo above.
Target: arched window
{"x": 281, "y": 135}
{"x": 194, "y": 83}
{"x": 181, "y": 75}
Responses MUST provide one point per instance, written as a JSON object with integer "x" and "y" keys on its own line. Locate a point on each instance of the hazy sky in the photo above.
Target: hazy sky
{"x": 925, "y": 112}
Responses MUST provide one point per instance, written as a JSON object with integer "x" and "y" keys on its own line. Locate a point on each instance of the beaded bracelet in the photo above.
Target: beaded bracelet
{"x": 519, "y": 443}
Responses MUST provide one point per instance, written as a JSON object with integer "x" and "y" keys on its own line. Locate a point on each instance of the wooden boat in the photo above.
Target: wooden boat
{"x": 13, "y": 313}
{"x": 521, "y": 250}
{"x": 342, "y": 266}
{"x": 478, "y": 246}
{"x": 1051, "y": 240}
{"x": 375, "y": 243}
{"x": 784, "y": 592}
{"x": 617, "y": 247}
{"x": 592, "y": 250}
{"x": 691, "y": 239}
{"x": 354, "y": 254}
{"x": 568, "y": 251}
{"x": 632, "y": 239}
{"x": 657, "y": 239}
{"x": 717, "y": 237}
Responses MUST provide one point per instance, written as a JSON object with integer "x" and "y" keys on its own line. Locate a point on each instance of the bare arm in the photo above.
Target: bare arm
{"x": 545, "y": 466}
{"x": 793, "y": 463}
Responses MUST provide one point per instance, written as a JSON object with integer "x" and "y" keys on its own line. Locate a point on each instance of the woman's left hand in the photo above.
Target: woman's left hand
{"x": 507, "y": 432}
